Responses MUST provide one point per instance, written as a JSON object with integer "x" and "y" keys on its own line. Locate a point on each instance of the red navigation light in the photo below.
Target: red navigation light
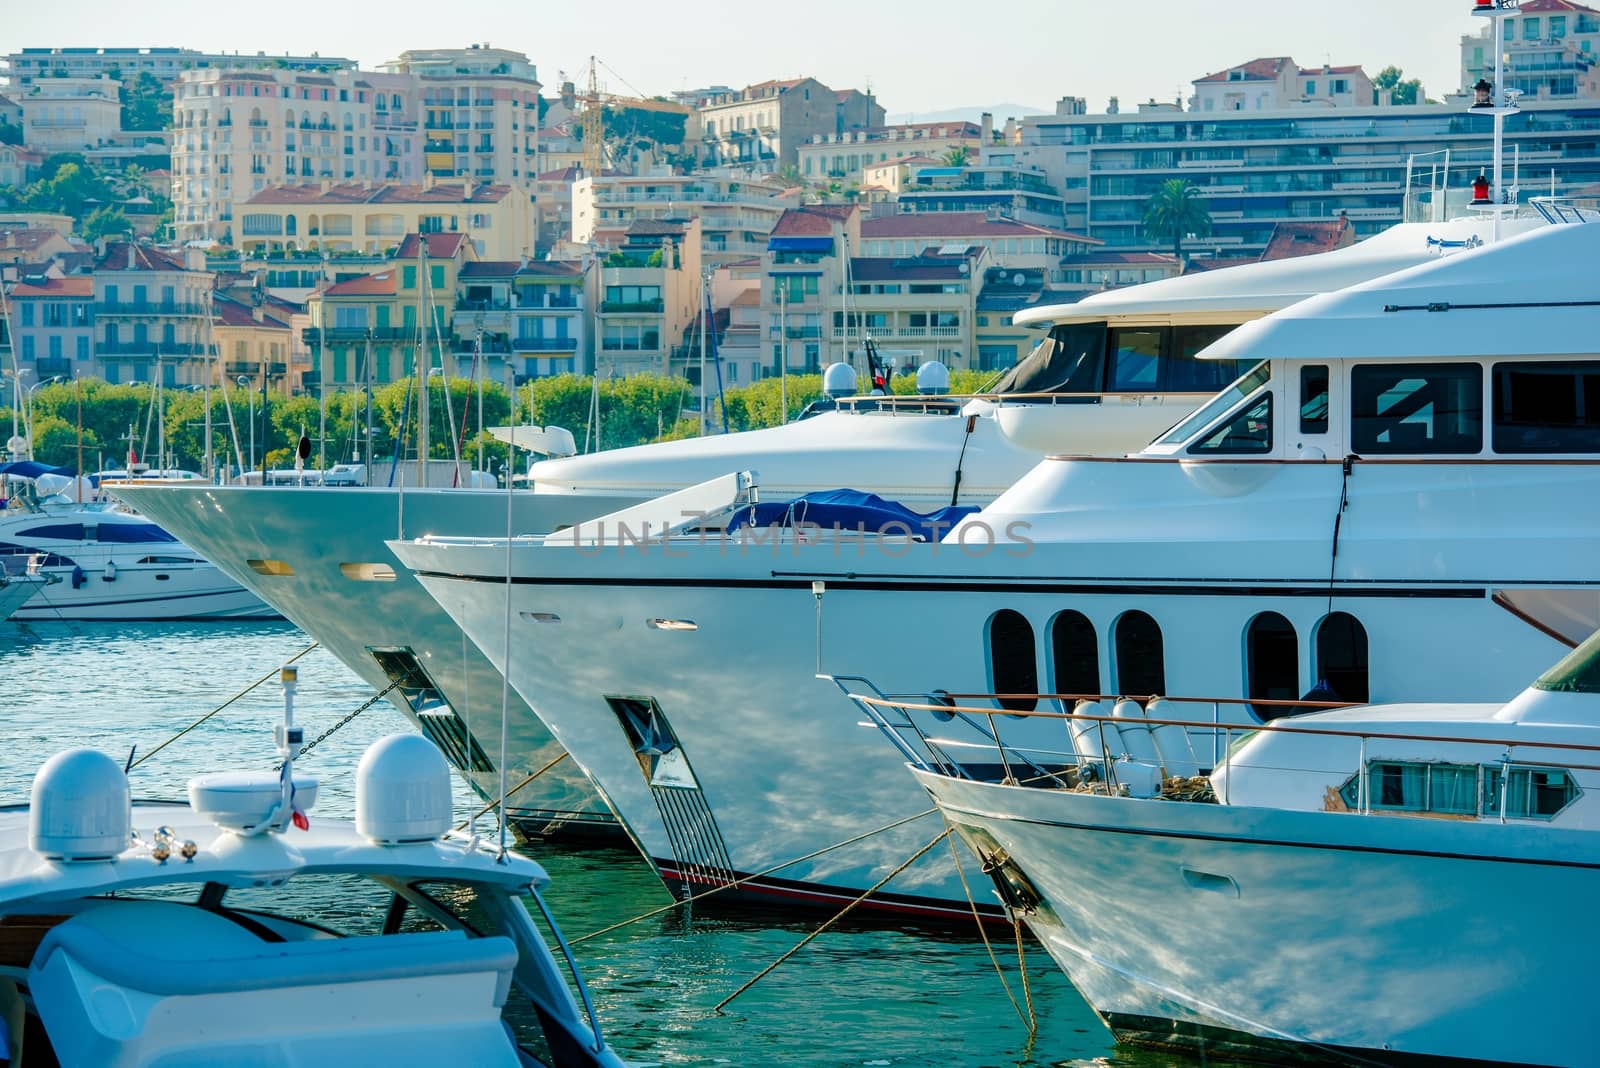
{"x": 1480, "y": 189}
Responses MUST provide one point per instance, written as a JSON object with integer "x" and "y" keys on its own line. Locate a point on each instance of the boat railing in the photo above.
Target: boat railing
{"x": 1106, "y": 753}
{"x": 1565, "y": 210}
{"x": 952, "y": 403}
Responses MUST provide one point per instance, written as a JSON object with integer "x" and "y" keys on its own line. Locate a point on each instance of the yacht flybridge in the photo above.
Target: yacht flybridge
{"x": 1398, "y": 500}
{"x": 1116, "y": 370}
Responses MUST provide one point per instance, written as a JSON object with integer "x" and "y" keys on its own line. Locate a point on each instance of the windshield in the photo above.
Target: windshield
{"x": 1247, "y": 384}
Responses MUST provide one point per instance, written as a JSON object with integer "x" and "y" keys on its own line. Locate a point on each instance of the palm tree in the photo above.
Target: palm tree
{"x": 1176, "y": 211}
{"x": 956, "y": 157}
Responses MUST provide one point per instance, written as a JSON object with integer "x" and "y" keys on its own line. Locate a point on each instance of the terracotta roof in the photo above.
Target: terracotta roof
{"x": 780, "y": 85}
{"x": 1255, "y": 70}
{"x": 1534, "y": 7}
{"x": 1303, "y": 238}
{"x": 75, "y": 286}
{"x": 1110, "y": 258}
{"x": 230, "y": 312}
{"x": 948, "y": 224}
{"x": 382, "y": 284}
{"x": 356, "y": 193}
{"x": 440, "y": 246}
{"x": 1217, "y": 263}
{"x": 746, "y": 298}
{"x": 815, "y": 221}
{"x": 489, "y": 269}
{"x": 27, "y": 240}
{"x": 121, "y": 256}
{"x": 653, "y": 227}
{"x": 558, "y": 268}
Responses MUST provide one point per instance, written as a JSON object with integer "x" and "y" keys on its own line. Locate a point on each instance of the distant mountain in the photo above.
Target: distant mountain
{"x": 970, "y": 114}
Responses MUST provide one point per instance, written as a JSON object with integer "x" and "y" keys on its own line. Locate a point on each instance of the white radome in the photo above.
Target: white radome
{"x": 933, "y": 377}
{"x": 839, "y": 381}
{"x": 81, "y": 809}
{"x": 403, "y": 791}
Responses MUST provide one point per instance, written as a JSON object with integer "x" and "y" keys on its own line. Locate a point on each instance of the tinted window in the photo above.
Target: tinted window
{"x": 132, "y": 532}
{"x": 1247, "y": 431}
{"x": 1416, "y": 408}
{"x": 1272, "y": 663}
{"x": 1135, "y": 360}
{"x": 1071, "y": 359}
{"x": 1185, "y": 374}
{"x": 1075, "y": 654}
{"x": 1014, "y": 668}
{"x": 1313, "y": 400}
{"x": 1342, "y": 657}
{"x": 1547, "y": 407}
{"x": 56, "y": 531}
{"x": 1141, "y": 657}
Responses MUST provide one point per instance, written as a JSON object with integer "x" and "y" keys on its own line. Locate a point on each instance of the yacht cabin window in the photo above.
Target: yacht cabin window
{"x": 1416, "y": 409}
{"x": 1547, "y": 407}
{"x": 1135, "y": 360}
{"x": 1341, "y": 663}
{"x": 1442, "y": 789}
{"x": 1249, "y": 431}
{"x": 1162, "y": 360}
{"x": 1247, "y": 384}
{"x": 1074, "y": 654}
{"x": 1272, "y": 663}
{"x": 1013, "y": 664}
{"x": 1314, "y": 399}
{"x": 1141, "y": 657}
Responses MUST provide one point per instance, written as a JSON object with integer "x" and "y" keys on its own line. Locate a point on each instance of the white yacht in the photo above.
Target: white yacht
{"x": 1397, "y": 501}
{"x": 1399, "y": 884}
{"x": 16, "y": 589}
{"x": 1113, "y": 371}
{"x": 243, "y": 927}
{"x": 107, "y": 564}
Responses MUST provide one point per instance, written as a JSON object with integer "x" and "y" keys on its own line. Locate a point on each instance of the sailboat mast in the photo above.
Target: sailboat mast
{"x": 424, "y": 360}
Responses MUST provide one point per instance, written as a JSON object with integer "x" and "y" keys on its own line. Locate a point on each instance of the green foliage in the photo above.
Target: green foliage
{"x": 1389, "y": 80}
{"x": 789, "y": 175}
{"x": 146, "y": 104}
{"x": 956, "y": 157}
{"x": 106, "y": 221}
{"x": 10, "y": 134}
{"x": 66, "y": 186}
{"x": 1176, "y": 211}
{"x": 637, "y": 124}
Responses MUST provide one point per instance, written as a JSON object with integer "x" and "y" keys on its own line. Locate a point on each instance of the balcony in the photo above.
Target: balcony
{"x": 148, "y": 349}
{"x": 148, "y": 307}
{"x": 545, "y": 344}
{"x": 796, "y": 333}
{"x": 46, "y": 366}
{"x": 312, "y": 335}
{"x": 258, "y": 122}
{"x": 545, "y": 301}
{"x": 253, "y": 368}
{"x": 638, "y": 307}
{"x": 463, "y": 304}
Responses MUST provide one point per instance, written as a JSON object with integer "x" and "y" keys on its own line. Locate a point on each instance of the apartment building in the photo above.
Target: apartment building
{"x": 760, "y": 127}
{"x": 166, "y": 65}
{"x": 53, "y": 322}
{"x": 736, "y": 214}
{"x": 1258, "y": 169}
{"x": 356, "y": 334}
{"x": 1015, "y": 192}
{"x": 369, "y": 218}
{"x": 255, "y": 340}
{"x": 804, "y": 267}
{"x": 843, "y": 156}
{"x": 1552, "y": 52}
{"x": 649, "y": 292}
{"x": 151, "y": 314}
{"x": 532, "y": 317}
{"x": 480, "y": 109}
{"x": 70, "y": 114}
{"x": 32, "y": 245}
{"x": 915, "y": 309}
{"x": 1277, "y": 82}
{"x": 1009, "y": 242}
{"x": 237, "y": 133}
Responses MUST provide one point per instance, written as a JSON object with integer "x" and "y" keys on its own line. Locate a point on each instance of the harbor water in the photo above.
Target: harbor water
{"x": 859, "y": 994}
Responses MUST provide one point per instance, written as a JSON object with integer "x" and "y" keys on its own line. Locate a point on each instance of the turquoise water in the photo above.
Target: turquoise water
{"x": 860, "y": 994}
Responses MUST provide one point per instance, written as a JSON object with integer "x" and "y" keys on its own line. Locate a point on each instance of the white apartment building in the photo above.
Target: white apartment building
{"x": 843, "y": 157}
{"x": 70, "y": 114}
{"x": 166, "y": 65}
{"x": 480, "y": 111}
{"x": 1275, "y": 83}
{"x": 1552, "y": 51}
{"x": 236, "y": 133}
{"x": 736, "y": 214}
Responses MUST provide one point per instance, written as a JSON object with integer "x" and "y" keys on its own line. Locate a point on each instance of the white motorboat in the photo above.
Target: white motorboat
{"x": 239, "y": 929}
{"x": 17, "y": 589}
{"x": 1399, "y": 884}
{"x": 316, "y": 555}
{"x": 1398, "y": 501}
{"x": 108, "y": 564}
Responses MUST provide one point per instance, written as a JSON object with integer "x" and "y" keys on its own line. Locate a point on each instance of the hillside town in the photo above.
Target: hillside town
{"x": 174, "y": 216}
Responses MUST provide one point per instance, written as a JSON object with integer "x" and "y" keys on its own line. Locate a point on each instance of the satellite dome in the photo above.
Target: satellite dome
{"x": 403, "y": 791}
{"x": 839, "y": 380}
{"x": 933, "y": 377}
{"x": 81, "y": 809}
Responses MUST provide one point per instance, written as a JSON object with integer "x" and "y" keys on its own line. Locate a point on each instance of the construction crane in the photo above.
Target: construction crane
{"x": 595, "y": 101}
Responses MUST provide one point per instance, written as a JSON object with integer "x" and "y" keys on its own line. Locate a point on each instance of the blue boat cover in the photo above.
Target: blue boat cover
{"x": 847, "y": 509}
{"x": 31, "y": 469}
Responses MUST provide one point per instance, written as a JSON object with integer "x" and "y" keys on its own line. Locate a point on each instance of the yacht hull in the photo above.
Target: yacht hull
{"x": 1231, "y": 931}
{"x": 312, "y": 532}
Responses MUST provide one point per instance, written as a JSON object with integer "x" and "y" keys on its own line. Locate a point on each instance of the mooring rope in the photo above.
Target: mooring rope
{"x": 269, "y": 676}
{"x": 679, "y": 903}
{"x": 464, "y": 824}
{"x": 835, "y": 918}
{"x": 984, "y": 934}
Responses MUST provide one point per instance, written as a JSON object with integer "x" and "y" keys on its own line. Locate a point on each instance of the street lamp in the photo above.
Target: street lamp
{"x": 250, "y": 415}
{"x": 29, "y": 416}
{"x": 17, "y": 444}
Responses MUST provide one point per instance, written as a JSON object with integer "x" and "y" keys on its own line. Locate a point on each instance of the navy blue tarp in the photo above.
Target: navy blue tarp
{"x": 847, "y": 509}
{"x": 31, "y": 469}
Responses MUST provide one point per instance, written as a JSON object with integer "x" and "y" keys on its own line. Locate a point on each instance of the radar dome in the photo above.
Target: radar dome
{"x": 839, "y": 380}
{"x": 933, "y": 377}
{"x": 81, "y": 808}
{"x": 402, "y": 791}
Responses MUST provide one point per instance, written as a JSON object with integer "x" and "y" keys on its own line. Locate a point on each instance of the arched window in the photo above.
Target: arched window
{"x": 1074, "y": 654}
{"x": 1013, "y": 666}
{"x": 1141, "y": 659}
{"x": 1272, "y": 663}
{"x": 1342, "y": 656}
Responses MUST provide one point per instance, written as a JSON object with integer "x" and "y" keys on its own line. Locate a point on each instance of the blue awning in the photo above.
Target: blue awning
{"x": 799, "y": 244}
{"x": 31, "y": 469}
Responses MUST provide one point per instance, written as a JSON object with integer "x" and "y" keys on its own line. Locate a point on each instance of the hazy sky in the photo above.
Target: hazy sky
{"x": 917, "y": 55}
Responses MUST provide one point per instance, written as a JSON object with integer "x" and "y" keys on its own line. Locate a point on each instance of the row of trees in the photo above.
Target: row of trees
{"x": 68, "y": 184}
{"x": 106, "y": 420}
